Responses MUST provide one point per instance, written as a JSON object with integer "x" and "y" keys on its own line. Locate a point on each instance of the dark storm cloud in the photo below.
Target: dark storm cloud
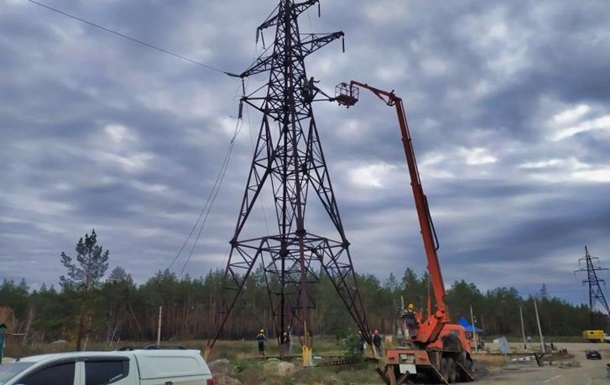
{"x": 506, "y": 105}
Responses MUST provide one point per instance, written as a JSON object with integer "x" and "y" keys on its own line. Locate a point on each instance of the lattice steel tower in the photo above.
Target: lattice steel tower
{"x": 288, "y": 164}
{"x": 595, "y": 291}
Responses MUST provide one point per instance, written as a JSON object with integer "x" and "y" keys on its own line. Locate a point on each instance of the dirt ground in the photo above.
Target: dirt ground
{"x": 570, "y": 370}
{"x": 520, "y": 368}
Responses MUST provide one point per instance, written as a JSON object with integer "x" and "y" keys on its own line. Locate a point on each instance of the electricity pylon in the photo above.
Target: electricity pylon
{"x": 595, "y": 291}
{"x": 289, "y": 164}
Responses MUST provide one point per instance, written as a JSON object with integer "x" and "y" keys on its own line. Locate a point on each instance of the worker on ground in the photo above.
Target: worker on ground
{"x": 287, "y": 346}
{"x": 261, "y": 338}
{"x": 377, "y": 343}
{"x": 411, "y": 321}
{"x": 362, "y": 342}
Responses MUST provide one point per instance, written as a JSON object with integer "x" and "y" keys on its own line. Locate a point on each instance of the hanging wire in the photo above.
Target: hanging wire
{"x": 205, "y": 211}
{"x": 162, "y": 50}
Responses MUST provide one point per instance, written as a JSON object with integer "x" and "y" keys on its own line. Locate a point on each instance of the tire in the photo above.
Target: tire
{"x": 445, "y": 368}
{"x": 452, "y": 370}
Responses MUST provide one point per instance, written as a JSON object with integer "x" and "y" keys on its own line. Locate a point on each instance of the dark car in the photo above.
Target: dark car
{"x": 593, "y": 354}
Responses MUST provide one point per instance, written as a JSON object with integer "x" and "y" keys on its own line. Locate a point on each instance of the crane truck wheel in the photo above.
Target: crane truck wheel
{"x": 452, "y": 370}
{"x": 463, "y": 360}
{"x": 445, "y": 368}
{"x": 448, "y": 369}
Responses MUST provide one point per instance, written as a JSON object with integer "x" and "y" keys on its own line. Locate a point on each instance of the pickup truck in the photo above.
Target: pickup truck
{"x": 121, "y": 367}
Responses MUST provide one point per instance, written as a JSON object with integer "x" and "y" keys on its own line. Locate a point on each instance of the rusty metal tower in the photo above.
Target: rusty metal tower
{"x": 595, "y": 291}
{"x": 289, "y": 165}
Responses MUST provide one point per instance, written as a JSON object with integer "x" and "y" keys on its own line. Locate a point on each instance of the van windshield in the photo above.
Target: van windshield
{"x": 11, "y": 369}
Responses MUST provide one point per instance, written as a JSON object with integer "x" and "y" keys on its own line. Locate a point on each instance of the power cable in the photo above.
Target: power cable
{"x": 205, "y": 211}
{"x": 132, "y": 39}
{"x": 211, "y": 198}
{"x": 219, "y": 179}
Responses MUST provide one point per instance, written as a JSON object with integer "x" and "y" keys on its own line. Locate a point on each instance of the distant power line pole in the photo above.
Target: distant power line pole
{"x": 595, "y": 291}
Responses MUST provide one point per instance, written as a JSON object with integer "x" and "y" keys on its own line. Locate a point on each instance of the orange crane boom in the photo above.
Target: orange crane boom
{"x": 439, "y": 349}
{"x": 431, "y": 328}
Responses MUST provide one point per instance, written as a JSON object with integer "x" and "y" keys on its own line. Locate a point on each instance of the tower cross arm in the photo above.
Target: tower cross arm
{"x": 270, "y": 22}
{"x": 314, "y": 42}
{"x": 263, "y": 64}
{"x": 299, "y": 8}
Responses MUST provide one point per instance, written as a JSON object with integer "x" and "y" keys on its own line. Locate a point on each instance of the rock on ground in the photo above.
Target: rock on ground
{"x": 222, "y": 379}
{"x": 280, "y": 368}
{"x": 221, "y": 367}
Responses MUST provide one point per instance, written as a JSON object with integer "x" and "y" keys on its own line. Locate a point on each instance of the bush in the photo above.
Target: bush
{"x": 353, "y": 348}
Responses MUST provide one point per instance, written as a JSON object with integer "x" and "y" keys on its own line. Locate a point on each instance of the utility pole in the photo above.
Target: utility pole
{"x": 159, "y": 327}
{"x": 474, "y": 331}
{"x": 289, "y": 166}
{"x": 2, "y": 334}
{"x": 522, "y": 327}
{"x": 542, "y": 348}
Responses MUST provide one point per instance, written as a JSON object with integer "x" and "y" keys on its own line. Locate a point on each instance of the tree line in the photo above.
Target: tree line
{"x": 90, "y": 305}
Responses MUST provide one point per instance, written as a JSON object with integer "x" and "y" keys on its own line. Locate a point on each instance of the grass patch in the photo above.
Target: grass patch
{"x": 329, "y": 375}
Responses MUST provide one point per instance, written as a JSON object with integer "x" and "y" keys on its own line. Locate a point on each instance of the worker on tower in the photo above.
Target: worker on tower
{"x": 411, "y": 320}
{"x": 308, "y": 88}
{"x": 261, "y": 338}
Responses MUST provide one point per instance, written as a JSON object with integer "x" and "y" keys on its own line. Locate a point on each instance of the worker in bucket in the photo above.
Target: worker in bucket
{"x": 411, "y": 320}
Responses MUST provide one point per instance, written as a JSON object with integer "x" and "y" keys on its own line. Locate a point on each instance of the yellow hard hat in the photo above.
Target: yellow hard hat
{"x": 410, "y": 307}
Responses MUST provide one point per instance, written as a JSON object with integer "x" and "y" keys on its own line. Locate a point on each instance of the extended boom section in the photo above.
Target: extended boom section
{"x": 438, "y": 349}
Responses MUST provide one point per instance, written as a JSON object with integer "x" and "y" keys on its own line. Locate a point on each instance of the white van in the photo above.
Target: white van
{"x": 125, "y": 367}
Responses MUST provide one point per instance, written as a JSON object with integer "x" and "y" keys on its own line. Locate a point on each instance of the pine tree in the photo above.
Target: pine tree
{"x": 84, "y": 277}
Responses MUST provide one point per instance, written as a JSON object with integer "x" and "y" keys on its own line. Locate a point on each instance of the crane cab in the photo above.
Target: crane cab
{"x": 346, "y": 94}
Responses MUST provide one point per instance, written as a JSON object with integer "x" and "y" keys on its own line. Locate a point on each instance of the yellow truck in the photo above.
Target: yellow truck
{"x": 595, "y": 336}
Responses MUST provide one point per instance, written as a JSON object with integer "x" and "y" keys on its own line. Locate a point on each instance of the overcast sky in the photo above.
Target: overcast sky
{"x": 508, "y": 104}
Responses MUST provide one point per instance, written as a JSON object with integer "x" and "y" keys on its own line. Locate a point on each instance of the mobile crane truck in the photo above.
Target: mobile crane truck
{"x": 439, "y": 351}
